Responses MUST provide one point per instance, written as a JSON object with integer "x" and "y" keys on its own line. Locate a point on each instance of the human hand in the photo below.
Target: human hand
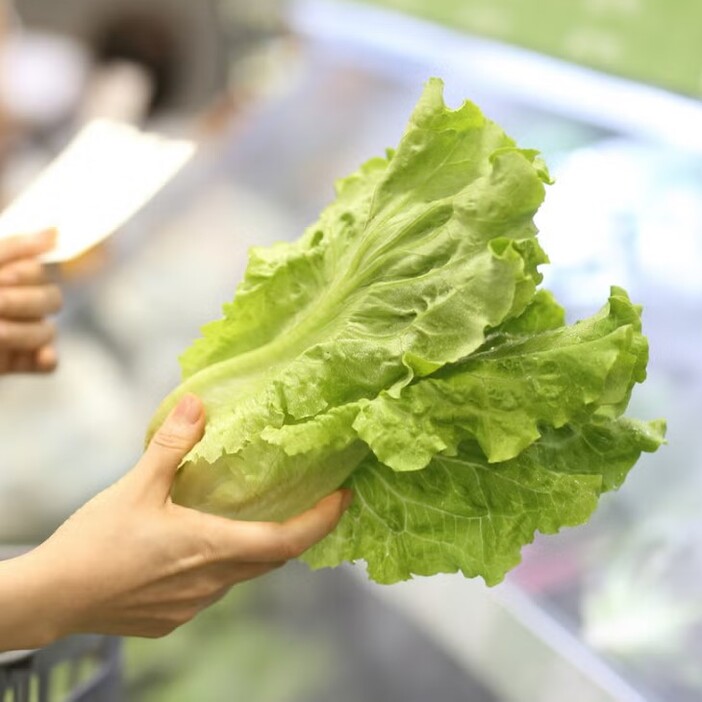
{"x": 27, "y": 297}
{"x": 131, "y": 562}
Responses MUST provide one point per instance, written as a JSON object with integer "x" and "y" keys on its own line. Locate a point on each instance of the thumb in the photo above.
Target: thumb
{"x": 180, "y": 431}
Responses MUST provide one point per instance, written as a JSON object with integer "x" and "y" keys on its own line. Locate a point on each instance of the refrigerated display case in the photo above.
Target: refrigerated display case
{"x": 611, "y": 611}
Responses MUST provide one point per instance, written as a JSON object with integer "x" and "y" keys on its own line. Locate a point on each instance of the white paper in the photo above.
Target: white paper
{"x": 95, "y": 185}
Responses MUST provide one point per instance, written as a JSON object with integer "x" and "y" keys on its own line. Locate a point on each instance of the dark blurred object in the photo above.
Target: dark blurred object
{"x": 180, "y": 43}
{"x": 148, "y": 41}
{"x": 79, "y": 669}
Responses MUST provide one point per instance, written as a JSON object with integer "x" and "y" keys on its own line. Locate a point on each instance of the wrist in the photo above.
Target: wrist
{"x": 27, "y": 600}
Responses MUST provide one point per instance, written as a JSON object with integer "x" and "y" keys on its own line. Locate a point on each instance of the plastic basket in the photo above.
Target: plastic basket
{"x": 76, "y": 669}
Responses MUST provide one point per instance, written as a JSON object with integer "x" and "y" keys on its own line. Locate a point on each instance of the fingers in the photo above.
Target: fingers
{"x": 43, "y": 360}
{"x": 25, "y": 336}
{"x": 28, "y": 271}
{"x": 29, "y": 302}
{"x": 180, "y": 431}
{"x": 261, "y": 542}
{"x": 23, "y": 362}
{"x": 26, "y": 298}
{"x": 15, "y": 248}
{"x": 305, "y": 530}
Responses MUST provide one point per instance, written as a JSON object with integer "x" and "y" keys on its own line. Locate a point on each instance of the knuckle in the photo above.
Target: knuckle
{"x": 289, "y": 546}
{"x": 209, "y": 551}
{"x": 169, "y": 440}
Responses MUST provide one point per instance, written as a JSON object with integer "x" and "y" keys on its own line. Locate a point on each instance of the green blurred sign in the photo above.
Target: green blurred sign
{"x": 653, "y": 41}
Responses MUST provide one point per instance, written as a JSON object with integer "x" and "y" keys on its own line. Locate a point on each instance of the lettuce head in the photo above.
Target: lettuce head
{"x": 402, "y": 348}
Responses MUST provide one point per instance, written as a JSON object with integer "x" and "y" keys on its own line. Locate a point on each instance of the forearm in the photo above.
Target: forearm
{"x": 26, "y": 619}
{"x": 132, "y": 563}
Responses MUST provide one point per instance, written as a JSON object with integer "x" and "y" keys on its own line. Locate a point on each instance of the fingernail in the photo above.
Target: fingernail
{"x": 189, "y": 408}
{"x": 347, "y": 499}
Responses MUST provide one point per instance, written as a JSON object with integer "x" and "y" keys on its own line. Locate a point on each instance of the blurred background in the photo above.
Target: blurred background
{"x": 285, "y": 97}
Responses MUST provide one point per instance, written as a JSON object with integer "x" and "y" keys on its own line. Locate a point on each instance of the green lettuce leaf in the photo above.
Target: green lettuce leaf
{"x": 402, "y": 347}
{"x": 501, "y": 396}
{"x": 464, "y": 514}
